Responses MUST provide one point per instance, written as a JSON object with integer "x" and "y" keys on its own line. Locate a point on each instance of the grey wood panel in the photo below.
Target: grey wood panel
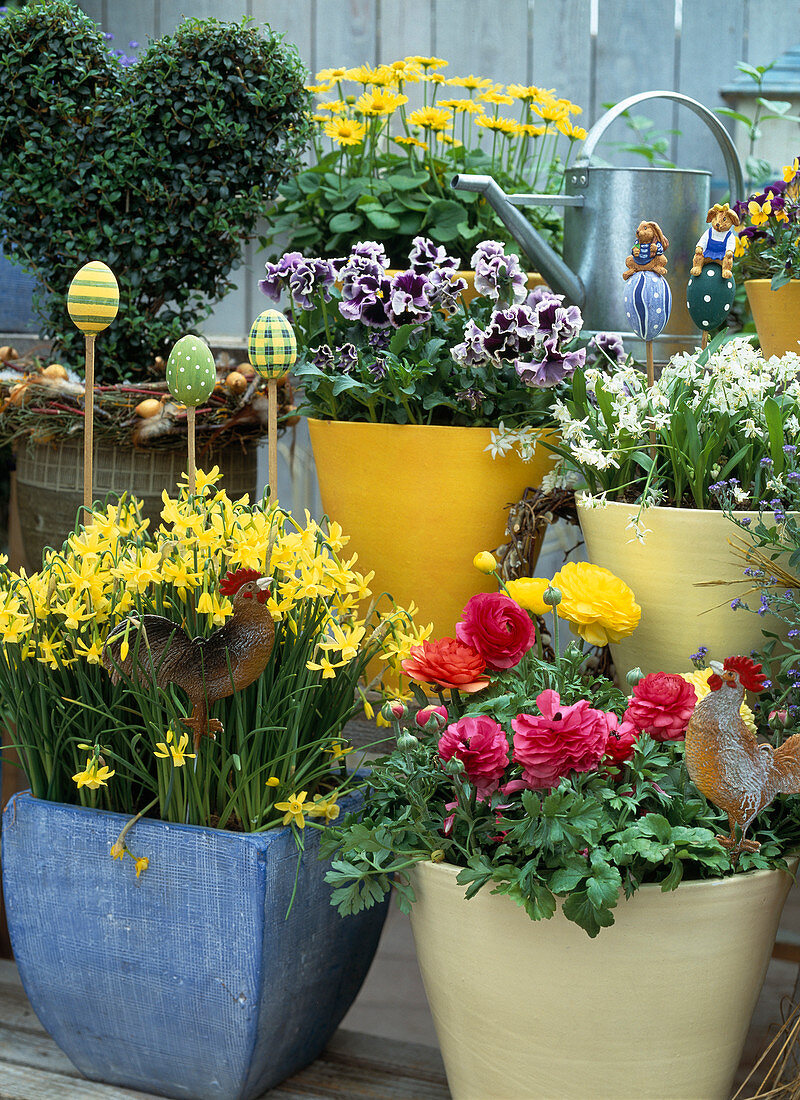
{"x": 484, "y": 38}
{"x": 293, "y": 20}
{"x": 772, "y": 28}
{"x": 169, "y": 13}
{"x": 635, "y": 53}
{"x": 345, "y": 33}
{"x": 129, "y": 23}
{"x": 405, "y": 29}
{"x": 561, "y": 50}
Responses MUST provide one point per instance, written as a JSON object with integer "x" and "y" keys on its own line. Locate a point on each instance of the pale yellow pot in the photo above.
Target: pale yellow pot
{"x": 682, "y": 548}
{"x": 657, "y": 1006}
{"x": 776, "y": 314}
{"x": 418, "y": 503}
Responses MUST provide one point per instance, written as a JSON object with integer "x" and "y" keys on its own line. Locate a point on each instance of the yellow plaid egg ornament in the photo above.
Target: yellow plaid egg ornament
{"x": 272, "y": 347}
{"x": 191, "y": 372}
{"x": 93, "y": 297}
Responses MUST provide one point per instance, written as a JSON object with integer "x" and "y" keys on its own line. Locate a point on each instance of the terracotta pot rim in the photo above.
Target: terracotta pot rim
{"x": 662, "y": 508}
{"x": 450, "y": 870}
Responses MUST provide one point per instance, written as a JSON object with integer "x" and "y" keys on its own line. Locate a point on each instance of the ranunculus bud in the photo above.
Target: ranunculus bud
{"x": 454, "y": 766}
{"x": 407, "y": 741}
{"x": 394, "y": 709}
{"x": 634, "y": 676}
{"x": 485, "y": 562}
{"x": 551, "y": 596}
{"x": 779, "y": 718}
{"x": 432, "y": 718}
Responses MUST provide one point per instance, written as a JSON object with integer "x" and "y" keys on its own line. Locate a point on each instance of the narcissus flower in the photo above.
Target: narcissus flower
{"x": 294, "y": 810}
{"x": 93, "y": 776}
{"x": 599, "y": 606}
{"x": 176, "y": 751}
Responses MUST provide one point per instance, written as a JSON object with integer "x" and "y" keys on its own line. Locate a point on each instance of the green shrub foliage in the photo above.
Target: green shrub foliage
{"x": 159, "y": 169}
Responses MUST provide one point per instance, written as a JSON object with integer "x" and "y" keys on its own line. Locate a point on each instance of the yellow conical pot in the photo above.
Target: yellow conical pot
{"x": 776, "y": 314}
{"x": 418, "y": 502}
{"x": 682, "y": 548}
{"x": 658, "y": 1005}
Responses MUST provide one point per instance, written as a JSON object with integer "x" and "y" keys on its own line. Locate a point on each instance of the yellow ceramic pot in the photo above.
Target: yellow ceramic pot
{"x": 656, "y": 1006}
{"x": 776, "y": 314}
{"x": 418, "y": 502}
{"x": 683, "y": 547}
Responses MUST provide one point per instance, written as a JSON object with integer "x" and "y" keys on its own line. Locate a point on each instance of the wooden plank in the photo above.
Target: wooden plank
{"x": 27, "y": 1048}
{"x": 294, "y": 21}
{"x": 477, "y": 38}
{"x": 130, "y": 23}
{"x": 634, "y": 54}
{"x": 15, "y": 1009}
{"x": 561, "y": 50}
{"x": 172, "y": 12}
{"x": 707, "y": 63}
{"x": 345, "y": 33}
{"x": 25, "y": 1083}
{"x": 771, "y": 29}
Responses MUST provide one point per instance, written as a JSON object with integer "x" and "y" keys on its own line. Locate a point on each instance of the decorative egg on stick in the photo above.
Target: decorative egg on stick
{"x": 272, "y": 350}
{"x": 92, "y": 303}
{"x": 648, "y": 299}
{"x": 711, "y": 289}
{"x": 191, "y": 376}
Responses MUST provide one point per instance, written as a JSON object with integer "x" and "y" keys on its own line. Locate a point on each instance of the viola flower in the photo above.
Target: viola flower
{"x": 322, "y": 357}
{"x": 278, "y": 274}
{"x": 509, "y": 332}
{"x": 309, "y": 278}
{"x": 472, "y": 352}
{"x": 447, "y": 663}
{"x": 497, "y": 275}
{"x": 445, "y": 288}
{"x": 497, "y": 628}
{"x": 347, "y": 356}
{"x": 558, "y": 740}
{"x": 553, "y": 320}
{"x": 364, "y": 299}
{"x": 552, "y": 369}
{"x": 425, "y": 256}
{"x": 409, "y": 302}
{"x": 599, "y": 606}
{"x": 661, "y": 705}
{"x": 609, "y": 346}
{"x": 481, "y": 745}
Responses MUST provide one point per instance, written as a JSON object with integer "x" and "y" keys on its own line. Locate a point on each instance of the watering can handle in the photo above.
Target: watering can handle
{"x": 732, "y": 162}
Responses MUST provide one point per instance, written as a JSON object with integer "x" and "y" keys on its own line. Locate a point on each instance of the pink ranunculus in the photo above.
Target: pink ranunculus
{"x": 559, "y": 740}
{"x": 482, "y": 747}
{"x": 432, "y": 718}
{"x": 622, "y": 738}
{"x": 661, "y": 705}
{"x": 497, "y": 627}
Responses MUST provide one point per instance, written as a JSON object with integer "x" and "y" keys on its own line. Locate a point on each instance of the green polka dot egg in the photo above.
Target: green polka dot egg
{"x": 191, "y": 374}
{"x": 272, "y": 347}
{"x": 709, "y": 298}
{"x": 93, "y": 297}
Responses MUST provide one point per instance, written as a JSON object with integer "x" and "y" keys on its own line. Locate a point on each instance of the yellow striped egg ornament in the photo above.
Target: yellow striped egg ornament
{"x": 191, "y": 373}
{"x": 272, "y": 347}
{"x": 93, "y": 297}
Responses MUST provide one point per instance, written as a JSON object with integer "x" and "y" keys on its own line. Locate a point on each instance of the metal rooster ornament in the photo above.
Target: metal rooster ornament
{"x": 726, "y": 762}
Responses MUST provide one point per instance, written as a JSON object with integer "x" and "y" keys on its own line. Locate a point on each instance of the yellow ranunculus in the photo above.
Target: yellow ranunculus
{"x": 598, "y": 605}
{"x": 528, "y": 593}
{"x": 485, "y": 562}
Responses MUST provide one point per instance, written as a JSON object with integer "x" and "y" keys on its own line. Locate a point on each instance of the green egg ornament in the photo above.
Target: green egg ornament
{"x": 272, "y": 347}
{"x": 191, "y": 373}
{"x": 709, "y": 298}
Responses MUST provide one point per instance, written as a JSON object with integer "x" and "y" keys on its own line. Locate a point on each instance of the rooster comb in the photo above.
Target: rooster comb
{"x": 748, "y": 671}
{"x": 232, "y": 582}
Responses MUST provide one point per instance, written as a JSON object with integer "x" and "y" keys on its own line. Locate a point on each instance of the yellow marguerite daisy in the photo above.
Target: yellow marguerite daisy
{"x": 430, "y": 118}
{"x": 345, "y": 131}
{"x": 500, "y": 125}
{"x": 328, "y": 76}
{"x": 498, "y": 98}
{"x": 334, "y": 106}
{"x": 472, "y": 82}
{"x": 410, "y": 141}
{"x": 460, "y": 106}
{"x": 428, "y": 62}
{"x": 378, "y": 103}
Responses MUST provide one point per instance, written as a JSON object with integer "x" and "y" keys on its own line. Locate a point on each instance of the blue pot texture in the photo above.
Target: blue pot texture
{"x": 190, "y": 981}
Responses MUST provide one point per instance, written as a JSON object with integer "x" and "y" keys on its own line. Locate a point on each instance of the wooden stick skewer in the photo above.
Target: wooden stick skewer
{"x": 272, "y": 430}
{"x": 651, "y": 379}
{"x": 704, "y": 342}
{"x": 88, "y": 425}
{"x": 191, "y": 471}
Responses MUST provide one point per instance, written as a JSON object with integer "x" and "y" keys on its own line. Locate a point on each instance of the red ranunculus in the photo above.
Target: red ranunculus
{"x": 497, "y": 627}
{"x": 447, "y": 663}
{"x": 482, "y": 747}
{"x": 661, "y": 705}
{"x": 622, "y": 738}
{"x": 559, "y": 740}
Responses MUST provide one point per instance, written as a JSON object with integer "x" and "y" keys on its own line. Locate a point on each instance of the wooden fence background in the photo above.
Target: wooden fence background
{"x": 593, "y": 51}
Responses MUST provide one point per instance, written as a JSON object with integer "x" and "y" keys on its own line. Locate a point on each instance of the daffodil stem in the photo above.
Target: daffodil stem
{"x": 126, "y": 829}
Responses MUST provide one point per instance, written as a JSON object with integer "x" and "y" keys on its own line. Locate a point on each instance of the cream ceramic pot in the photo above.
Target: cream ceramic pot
{"x": 658, "y": 1005}
{"x": 682, "y": 549}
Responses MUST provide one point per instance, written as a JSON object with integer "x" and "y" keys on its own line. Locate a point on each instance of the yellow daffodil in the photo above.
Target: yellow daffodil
{"x": 176, "y": 751}
{"x": 345, "y": 131}
{"x": 598, "y": 605}
{"x": 528, "y": 593}
{"x": 117, "y": 851}
{"x": 430, "y": 118}
{"x": 293, "y": 810}
{"x": 92, "y": 653}
{"x": 273, "y": 781}
{"x": 93, "y": 776}
{"x": 325, "y": 806}
{"x": 340, "y": 749}
{"x": 141, "y": 865}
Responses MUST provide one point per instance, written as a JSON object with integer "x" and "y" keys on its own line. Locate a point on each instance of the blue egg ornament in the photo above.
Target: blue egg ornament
{"x": 648, "y": 302}
{"x": 272, "y": 346}
{"x": 709, "y": 297}
{"x": 191, "y": 372}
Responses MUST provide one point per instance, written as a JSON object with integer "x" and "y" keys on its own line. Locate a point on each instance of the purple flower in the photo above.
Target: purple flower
{"x": 609, "y": 345}
{"x": 308, "y": 278}
{"x": 378, "y": 370}
{"x": 471, "y": 397}
{"x": 554, "y": 368}
{"x": 348, "y": 358}
{"x": 538, "y": 293}
{"x": 497, "y": 275}
{"x": 553, "y": 320}
{"x": 278, "y": 275}
{"x": 472, "y": 353}
{"x": 409, "y": 302}
{"x": 702, "y": 653}
{"x": 364, "y": 297}
{"x": 509, "y": 332}
{"x": 444, "y": 288}
{"x": 322, "y": 357}
{"x": 425, "y": 256}
{"x": 366, "y": 258}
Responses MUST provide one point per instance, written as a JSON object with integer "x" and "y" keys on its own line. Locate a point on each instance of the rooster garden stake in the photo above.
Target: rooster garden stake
{"x": 159, "y": 652}
{"x": 726, "y": 762}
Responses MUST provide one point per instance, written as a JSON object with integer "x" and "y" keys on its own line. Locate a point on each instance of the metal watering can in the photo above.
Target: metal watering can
{"x": 603, "y": 207}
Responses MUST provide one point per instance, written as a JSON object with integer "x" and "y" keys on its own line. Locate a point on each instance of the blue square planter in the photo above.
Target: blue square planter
{"x": 16, "y": 297}
{"x": 189, "y": 981}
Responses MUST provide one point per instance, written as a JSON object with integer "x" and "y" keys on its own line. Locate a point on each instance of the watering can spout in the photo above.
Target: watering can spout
{"x": 557, "y": 274}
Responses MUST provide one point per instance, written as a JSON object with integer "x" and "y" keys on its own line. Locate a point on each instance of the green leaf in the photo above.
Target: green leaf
{"x": 578, "y": 907}
{"x": 772, "y": 415}
{"x": 381, "y": 219}
{"x": 564, "y": 880}
{"x": 345, "y": 223}
{"x": 400, "y": 181}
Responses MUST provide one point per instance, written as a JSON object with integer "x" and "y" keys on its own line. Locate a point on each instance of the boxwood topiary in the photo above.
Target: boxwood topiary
{"x": 160, "y": 168}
